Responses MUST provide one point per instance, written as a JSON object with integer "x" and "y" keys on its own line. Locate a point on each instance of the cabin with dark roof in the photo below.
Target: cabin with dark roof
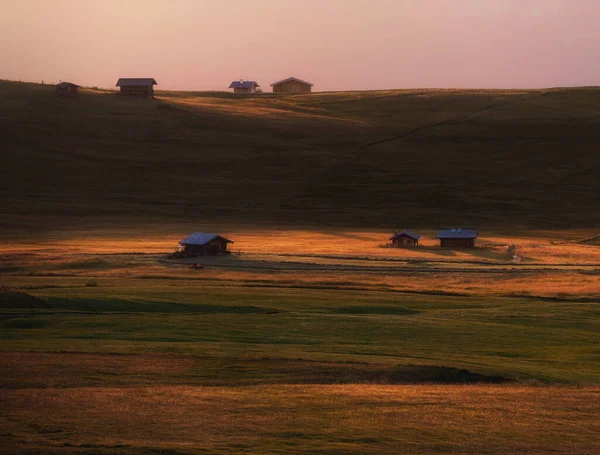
{"x": 457, "y": 237}
{"x": 202, "y": 244}
{"x": 66, "y": 89}
{"x": 405, "y": 238}
{"x": 243, "y": 86}
{"x": 292, "y": 85}
{"x": 137, "y": 86}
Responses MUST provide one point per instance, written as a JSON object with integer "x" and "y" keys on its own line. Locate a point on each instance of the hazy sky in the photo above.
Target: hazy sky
{"x": 336, "y": 44}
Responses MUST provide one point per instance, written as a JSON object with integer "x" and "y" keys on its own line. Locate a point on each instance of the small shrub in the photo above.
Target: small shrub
{"x": 91, "y": 284}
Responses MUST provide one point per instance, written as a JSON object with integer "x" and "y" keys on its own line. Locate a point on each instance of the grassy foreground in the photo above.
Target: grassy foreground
{"x": 107, "y": 347}
{"x": 352, "y": 419}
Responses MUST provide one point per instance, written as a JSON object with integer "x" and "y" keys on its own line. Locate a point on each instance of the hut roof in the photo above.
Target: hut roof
{"x": 136, "y": 82}
{"x": 243, "y": 84}
{"x": 291, "y": 79}
{"x": 67, "y": 84}
{"x": 406, "y": 233}
{"x": 201, "y": 238}
{"x": 457, "y": 233}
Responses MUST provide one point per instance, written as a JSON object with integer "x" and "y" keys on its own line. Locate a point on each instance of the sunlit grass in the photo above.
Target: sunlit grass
{"x": 553, "y": 264}
{"x": 236, "y": 358}
{"x": 554, "y": 247}
{"x": 301, "y": 419}
{"x": 259, "y": 109}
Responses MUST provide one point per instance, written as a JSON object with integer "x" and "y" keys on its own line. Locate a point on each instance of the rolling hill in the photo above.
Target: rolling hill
{"x": 418, "y": 158}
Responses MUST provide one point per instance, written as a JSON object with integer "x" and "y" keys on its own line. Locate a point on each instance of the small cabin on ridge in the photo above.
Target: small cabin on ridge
{"x": 292, "y": 85}
{"x": 457, "y": 237}
{"x": 137, "y": 86}
{"x": 202, "y": 244}
{"x": 243, "y": 86}
{"x": 405, "y": 238}
{"x": 66, "y": 89}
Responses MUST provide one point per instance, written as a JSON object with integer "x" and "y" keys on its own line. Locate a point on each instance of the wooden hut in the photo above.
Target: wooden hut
{"x": 405, "y": 238}
{"x": 457, "y": 237}
{"x": 202, "y": 244}
{"x": 137, "y": 86}
{"x": 243, "y": 86}
{"x": 292, "y": 85}
{"x": 66, "y": 89}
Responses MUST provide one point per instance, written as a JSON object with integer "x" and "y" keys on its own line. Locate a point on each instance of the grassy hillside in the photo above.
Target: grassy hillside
{"x": 367, "y": 159}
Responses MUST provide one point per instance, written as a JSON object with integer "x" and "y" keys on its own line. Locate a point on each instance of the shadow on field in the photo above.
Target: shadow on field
{"x": 485, "y": 253}
{"x": 436, "y": 249}
{"x": 335, "y": 373}
{"x": 28, "y": 369}
{"x": 14, "y": 303}
{"x": 20, "y": 300}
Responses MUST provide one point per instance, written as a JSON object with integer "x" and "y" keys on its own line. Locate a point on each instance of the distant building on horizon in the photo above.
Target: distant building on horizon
{"x": 405, "y": 238}
{"x": 292, "y": 85}
{"x": 137, "y": 86}
{"x": 243, "y": 86}
{"x": 457, "y": 237}
{"x": 66, "y": 89}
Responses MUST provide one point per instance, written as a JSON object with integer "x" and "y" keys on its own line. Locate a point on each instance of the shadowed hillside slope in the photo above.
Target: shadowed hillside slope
{"x": 527, "y": 158}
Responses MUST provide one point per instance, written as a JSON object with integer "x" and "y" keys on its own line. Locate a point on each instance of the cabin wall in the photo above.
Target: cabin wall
{"x": 244, "y": 90}
{"x": 292, "y": 87}
{"x": 457, "y": 243}
{"x": 399, "y": 242}
{"x": 138, "y": 91}
{"x": 213, "y": 248}
{"x": 67, "y": 91}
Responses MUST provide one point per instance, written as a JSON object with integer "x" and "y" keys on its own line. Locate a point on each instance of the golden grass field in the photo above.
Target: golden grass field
{"x": 306, "y": 342}
{"x": 536, "y": 247}
{"x": 324, "y": 419}
{"x": 553, "y": 264}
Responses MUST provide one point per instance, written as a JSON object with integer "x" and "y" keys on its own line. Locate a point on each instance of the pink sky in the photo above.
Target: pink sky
{"x": 336, "y": 44}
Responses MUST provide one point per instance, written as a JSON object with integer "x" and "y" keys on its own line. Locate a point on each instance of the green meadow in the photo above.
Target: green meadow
{"x": 186, "y": 366}
{"x": 518, "y": 339}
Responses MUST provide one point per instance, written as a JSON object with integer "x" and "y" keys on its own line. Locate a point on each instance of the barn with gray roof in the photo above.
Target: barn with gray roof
{"x": 405, "y": 238}
{"x": 137, "y": 86}
{"x": 66, "y": 89}
{"x": 203, "y": 244}
{"x": 457, "y": 237}
{"x": 243, "y": 86}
